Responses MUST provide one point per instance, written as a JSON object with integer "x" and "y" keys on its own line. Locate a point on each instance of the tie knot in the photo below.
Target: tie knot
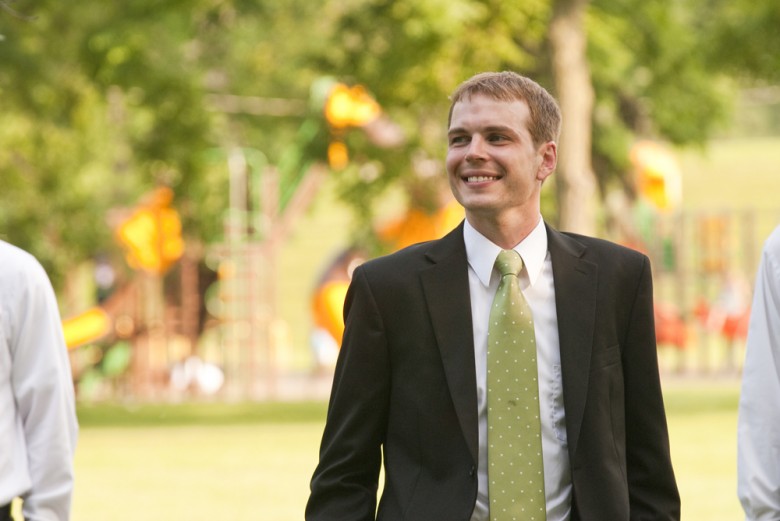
{"x": 509, "y": 262}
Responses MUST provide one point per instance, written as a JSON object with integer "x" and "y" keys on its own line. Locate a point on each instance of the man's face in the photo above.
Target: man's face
{"x": 494, "y": 168}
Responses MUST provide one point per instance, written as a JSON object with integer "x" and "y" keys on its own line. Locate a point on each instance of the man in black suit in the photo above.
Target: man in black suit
{"x": 409, "y": 391}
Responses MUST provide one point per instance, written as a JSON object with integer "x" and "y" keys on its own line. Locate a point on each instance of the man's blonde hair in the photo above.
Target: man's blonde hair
{"x": 545, "y": 124}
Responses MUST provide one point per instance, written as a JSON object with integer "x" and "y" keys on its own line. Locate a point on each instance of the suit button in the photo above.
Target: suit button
{"x": 472, "y": 470}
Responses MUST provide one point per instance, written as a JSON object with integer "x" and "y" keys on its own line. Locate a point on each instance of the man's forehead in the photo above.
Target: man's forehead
{"x": 497, "y": 111}
{"x": 468, "y": 97}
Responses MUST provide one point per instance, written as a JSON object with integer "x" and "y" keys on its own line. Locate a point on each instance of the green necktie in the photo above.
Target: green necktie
{"x": 515, "y": 468}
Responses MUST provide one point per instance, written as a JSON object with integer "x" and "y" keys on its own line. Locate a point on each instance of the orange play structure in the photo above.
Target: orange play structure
{"x": 151, "y": 237}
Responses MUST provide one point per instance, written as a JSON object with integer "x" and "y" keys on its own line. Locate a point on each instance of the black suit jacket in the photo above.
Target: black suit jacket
{"x": 404, "y": 389}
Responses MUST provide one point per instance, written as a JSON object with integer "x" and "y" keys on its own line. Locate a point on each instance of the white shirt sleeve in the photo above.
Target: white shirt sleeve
{"x": 42, "y": 388}
{"x": 758, "y": 431}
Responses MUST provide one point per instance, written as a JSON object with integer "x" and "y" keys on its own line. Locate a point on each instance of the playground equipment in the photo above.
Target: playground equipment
{"x": 658, "y": 175}
{"x": 264, "y": 202}
{"x": 151, "y": 236}
{"x": 89, "y": 326}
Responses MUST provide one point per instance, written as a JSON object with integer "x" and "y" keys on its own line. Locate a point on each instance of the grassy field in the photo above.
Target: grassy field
{"x": 703, "y": 434}
{"x": 731, "y": 173}
{"x": 254, "y": 461}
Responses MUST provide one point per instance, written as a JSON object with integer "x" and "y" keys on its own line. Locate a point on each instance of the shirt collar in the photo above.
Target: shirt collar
{"x": 481, "y": 252}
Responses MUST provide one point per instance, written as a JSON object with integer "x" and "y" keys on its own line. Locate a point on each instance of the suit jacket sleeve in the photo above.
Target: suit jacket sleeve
{"x": 653, "y": 491}
{"x": 344, "y": 485}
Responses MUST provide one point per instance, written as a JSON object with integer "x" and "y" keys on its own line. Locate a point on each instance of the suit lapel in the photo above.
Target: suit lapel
{"x": 575, "y": 282}
{"x": 446, "y": 289}
{"x": 445, "y": 284}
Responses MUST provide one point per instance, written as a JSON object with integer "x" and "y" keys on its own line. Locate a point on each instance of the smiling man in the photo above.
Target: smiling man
{"x": 508, "y": 370}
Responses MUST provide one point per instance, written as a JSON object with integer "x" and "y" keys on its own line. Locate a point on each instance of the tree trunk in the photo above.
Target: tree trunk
{"x": 575, "y": 181}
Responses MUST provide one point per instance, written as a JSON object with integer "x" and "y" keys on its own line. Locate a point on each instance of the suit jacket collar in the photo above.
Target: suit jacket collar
{"x": 576, "y": 282}
{"x": 446, "y": 287}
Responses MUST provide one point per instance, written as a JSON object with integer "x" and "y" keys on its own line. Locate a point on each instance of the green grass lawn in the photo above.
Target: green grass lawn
{"x": 731, "y": 174}
{"x": 195, "y": 472}
{"x": 254, "y": 461}
{"x": 703, "y": 436}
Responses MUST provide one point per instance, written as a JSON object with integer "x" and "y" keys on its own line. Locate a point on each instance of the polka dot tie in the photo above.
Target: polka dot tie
{"x": 515, "y": 468}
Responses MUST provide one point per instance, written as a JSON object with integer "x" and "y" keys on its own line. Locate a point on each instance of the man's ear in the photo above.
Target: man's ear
{"x": 548, "y": 153}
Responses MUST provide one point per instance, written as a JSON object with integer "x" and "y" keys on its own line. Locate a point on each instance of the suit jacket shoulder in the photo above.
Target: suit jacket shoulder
{"x": 599, "y": 247}
{"x": 404, "y": 262}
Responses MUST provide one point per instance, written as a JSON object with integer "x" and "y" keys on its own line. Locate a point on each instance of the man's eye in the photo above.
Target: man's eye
{"x": 496, "y": 137}
{"x": 458, "y": 140}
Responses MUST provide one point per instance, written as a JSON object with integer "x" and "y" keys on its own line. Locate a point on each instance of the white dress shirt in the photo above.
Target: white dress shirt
{"x": 38, "y": 426}
{"x": 758, "y": 432}
{"x": 536, "y": 283}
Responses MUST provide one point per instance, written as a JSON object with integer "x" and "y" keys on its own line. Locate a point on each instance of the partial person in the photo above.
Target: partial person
{"x": 758, "y": 431}
{"x": 38, "y": 426}
{"x": 575, "y": 429}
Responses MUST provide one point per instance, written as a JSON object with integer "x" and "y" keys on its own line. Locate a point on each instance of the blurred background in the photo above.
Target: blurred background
{"x": 200, "y": 179}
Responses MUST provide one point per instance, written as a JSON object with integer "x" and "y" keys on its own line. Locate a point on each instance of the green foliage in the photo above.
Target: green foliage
{"x": 102, "y": 103}
{"x": 742, "y": 39}
{"x": 411, "y": 54}
{"x": 650, "y": 79}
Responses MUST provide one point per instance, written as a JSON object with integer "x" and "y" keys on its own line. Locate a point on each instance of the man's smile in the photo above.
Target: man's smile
{"x": 481, "y": 178}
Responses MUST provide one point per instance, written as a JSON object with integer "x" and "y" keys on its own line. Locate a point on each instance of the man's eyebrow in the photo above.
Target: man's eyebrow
{"x": 491, "y": 128}
{"x": 500, "y": 128}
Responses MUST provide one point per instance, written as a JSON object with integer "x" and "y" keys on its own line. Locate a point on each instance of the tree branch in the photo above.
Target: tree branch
{"x": 4, "y": 5}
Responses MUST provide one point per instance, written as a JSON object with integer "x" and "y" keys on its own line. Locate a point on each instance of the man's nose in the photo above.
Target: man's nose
{"x": 476, "y": 150}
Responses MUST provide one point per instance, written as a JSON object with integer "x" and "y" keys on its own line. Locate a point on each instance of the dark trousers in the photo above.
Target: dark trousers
{"x": 5, "y": 513}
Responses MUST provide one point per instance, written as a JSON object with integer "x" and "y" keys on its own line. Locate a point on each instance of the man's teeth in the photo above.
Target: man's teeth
{"x": 479, "y": 178}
